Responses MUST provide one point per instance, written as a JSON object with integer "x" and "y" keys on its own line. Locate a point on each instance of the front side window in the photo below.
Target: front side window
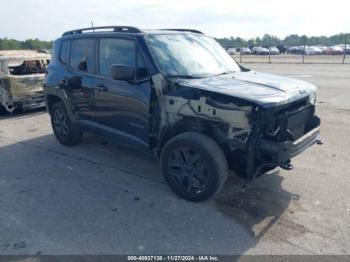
{"x": 115, "y": 51}
{"x": 82, "y": 55}
{"x": 190, "y": 55}
{"x": 141, "y": 71}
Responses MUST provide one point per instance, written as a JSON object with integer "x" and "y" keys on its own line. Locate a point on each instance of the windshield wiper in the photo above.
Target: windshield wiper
{"x": 224, "y": 73}
{"x": 184, "y": 76}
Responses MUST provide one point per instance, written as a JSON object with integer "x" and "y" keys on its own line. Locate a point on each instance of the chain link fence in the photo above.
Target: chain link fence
{"x": 302, "y": 54}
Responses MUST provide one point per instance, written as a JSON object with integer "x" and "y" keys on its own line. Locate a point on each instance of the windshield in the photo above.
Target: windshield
{"x": 190, "y": 55}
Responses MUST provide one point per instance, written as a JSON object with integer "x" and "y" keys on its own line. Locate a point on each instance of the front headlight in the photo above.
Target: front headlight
{"x": 312, "y": 98}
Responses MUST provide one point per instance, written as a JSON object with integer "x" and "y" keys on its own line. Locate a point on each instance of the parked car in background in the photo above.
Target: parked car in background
{"x": 21, "y": 79}
{"x": 282, "y": 49}
{"x": 255, "y": 50}
{"x": 246, "y": 51}
{"x": 263, "y": 51}
{"x": 231, "y": 51}
{"x": 322, "y": 48}
{"x": 297, "y": 50}
{"x": 258, "y": 50}
{"x": 274, "y": 51}
{"x": 346, "y": 48}
{"x": 334, "y": 50}
{"x": 45, "y": 51}
{"x": 312, "y": 50}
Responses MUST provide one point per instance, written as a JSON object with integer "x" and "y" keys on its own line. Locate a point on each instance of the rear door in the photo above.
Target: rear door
{"x": 122, "y": 105}
{"x": 79, "y": 83}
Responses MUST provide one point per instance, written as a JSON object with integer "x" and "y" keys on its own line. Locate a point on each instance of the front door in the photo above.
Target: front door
{"x": 122, "y": 105}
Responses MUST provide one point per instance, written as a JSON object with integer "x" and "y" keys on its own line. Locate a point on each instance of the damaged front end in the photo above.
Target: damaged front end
{"x": 286, "y": 131}
{"x": 21, "y": 82}
{"x": 255, "y": 139}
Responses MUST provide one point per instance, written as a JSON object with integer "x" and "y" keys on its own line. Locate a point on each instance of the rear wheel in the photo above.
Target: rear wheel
{"x": 10, "y": 109}
{"x": 2, "y": 109}
{"x": 65, "y": 131}
{"x": 194, "y": 166}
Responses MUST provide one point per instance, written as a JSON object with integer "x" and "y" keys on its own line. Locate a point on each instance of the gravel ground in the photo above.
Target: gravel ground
{"x": 101, "y": 198}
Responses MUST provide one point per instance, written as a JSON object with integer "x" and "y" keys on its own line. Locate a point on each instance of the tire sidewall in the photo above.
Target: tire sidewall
{"x": 213, "y": 182}
{"x": 73, "y": 137}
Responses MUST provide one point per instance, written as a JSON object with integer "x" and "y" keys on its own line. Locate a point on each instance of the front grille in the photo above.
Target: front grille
{"x": 297, "y": 121}
{"x": 288, "y": 122}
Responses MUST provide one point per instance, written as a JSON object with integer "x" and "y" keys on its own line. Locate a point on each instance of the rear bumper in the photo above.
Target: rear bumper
{"x": 282, "y": 152}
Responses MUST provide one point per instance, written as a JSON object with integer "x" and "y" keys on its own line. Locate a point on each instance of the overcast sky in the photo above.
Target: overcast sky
{"x": 47, "y": 19}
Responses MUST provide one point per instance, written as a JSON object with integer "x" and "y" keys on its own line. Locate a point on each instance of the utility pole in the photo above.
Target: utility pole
{"x": 269, "y": 49}
{"x": 240, "y": 53}
{"x": 344, "y": 53}
{"x": 304, "y": 40}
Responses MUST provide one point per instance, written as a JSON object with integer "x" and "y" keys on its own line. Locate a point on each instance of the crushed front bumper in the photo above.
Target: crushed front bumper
{"x": 282, "y": 152}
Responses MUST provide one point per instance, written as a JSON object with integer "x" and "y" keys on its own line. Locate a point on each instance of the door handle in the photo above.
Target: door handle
{"x": 101, "y": 87}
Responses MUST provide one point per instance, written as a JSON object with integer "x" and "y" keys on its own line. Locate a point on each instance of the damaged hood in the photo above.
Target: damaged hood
{"x": 263, "y": 89}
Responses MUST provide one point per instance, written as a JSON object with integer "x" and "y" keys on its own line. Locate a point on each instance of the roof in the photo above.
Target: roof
{"x": 171, "y": 31}
{"x": 126, "y": 30}
{"x": 22, "y": 54}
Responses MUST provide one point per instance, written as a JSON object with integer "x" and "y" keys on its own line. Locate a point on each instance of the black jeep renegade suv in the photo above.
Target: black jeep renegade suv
{"x": 178, "y": 94}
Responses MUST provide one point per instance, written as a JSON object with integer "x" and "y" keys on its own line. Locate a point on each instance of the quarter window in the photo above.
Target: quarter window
{"x": 115, "y": 51}
{"x": 82, "y": 55}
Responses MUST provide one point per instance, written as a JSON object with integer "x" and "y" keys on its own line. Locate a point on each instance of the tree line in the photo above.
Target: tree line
{"x": 266, "y": 40}
{"x": 290, "y": 40}
{"x": 32, "y": 44}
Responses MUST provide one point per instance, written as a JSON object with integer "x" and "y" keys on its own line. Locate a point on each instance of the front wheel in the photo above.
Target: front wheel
{"x": 194, "y": 166}
{"x": 65, "y": 131}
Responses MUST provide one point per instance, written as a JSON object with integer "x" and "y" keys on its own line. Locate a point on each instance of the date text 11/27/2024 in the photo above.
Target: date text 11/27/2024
{"x": 173, "y": 258}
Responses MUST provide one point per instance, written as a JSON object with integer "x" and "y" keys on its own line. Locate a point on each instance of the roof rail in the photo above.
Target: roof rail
{"x": 183, "y": 30}
{"x": 124, "y": 29}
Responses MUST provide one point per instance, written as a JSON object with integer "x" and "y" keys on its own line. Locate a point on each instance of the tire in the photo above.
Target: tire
{"x": 65, "y": 131}
{"x": 194, "y": 166}
{"x": 2, "y": 110}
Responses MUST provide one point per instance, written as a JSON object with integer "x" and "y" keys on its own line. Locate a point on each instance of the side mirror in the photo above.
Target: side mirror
{"x": 122, "y": 72}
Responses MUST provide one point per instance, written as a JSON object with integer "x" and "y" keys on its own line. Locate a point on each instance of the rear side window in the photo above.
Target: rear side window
{"x": 64, "y": 52}
{"x": 82, "y": 55}
{"x": 115, "y": 51}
